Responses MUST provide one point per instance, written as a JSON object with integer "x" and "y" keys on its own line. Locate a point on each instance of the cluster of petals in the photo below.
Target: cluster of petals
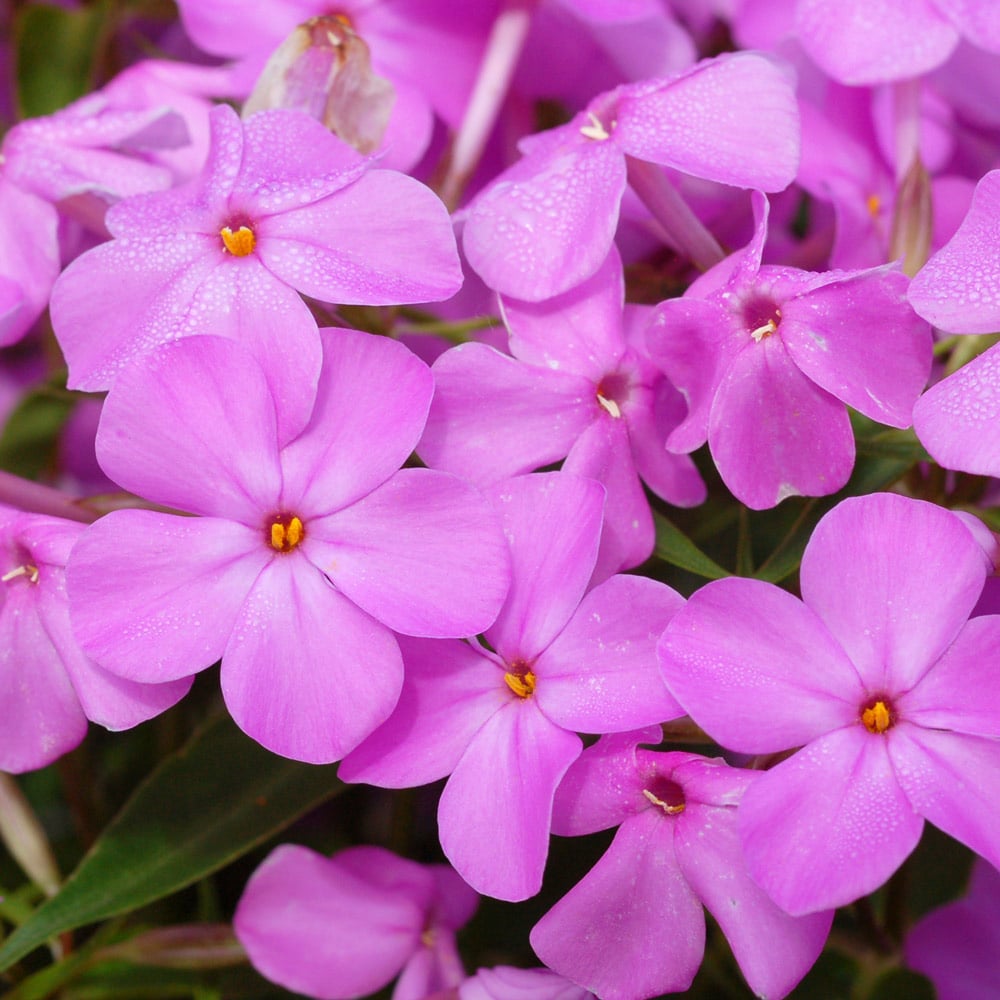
{"x": 344, "y": 927}
{"x": 49, "y": 688}
{"x": 501, "y": 716}
{"x": 577, "y": 387}
{"x": 767, "y": 356}
{"x": 676, "y": 849}
{"x": 308, "y": 553}
{"x": 879, "y": 676}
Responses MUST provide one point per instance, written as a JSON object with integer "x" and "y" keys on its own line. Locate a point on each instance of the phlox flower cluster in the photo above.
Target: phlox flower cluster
{"x": 402, "y": 398}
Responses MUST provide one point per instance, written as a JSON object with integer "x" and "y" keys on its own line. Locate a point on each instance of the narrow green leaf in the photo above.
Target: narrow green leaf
{"x": 55, "y": 49}
{"x": 206, "y": 805}
{"x": 674, "y": 547}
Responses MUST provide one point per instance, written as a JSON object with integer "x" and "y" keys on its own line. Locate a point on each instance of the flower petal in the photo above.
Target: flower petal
{"x": 828, "y": 825}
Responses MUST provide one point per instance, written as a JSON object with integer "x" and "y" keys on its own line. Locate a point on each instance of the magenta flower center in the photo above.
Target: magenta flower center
{"x": 612, "y": 392}
{"x": 285, "y": 532}
{"x": 520, "y": 679}
{"x": 667, "y": 794}
{"x": 878, "y": 715}
{"x": 239, "y": 242}
{"x": 762, "y": 317}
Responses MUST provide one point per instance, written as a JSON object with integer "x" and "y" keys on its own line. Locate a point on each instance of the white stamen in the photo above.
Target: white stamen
{"x": 764, "y": 331}
{"x": 31, "y": 572}
{"x": 610, "y": 405}
{"x": 663, "y": 805}
{"x": 595, "y": 130}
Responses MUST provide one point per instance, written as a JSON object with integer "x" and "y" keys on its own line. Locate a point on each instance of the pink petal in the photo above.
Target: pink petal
{"x": 579, "y": 331}
{"x": 874, "y": 41}
{"x": 506, "y": 983}
{"x": 600, "y": 673}
{"x": 955, "y": 418}
{"x": 830, "y": 824}
{"x": 201, "y": 405}
{"x": 552, "y": 523}
{"x": 893, "y": 605}
{"x": 638, "y": 907}
{"x": 977, "y": 21}
{"x": 774, "y": 434}
{"x": 773, "y": 950}
{"x": 495, "y": 811}
{"x": 731, "y": 119}
{"x": 826, "y": 331}
{"x": 423, "y": 553}
{"x": 154, "y": 597}
{"x": 757, "y": 668}
{"x": 371, "y": 403}
{"x": 310, "y": 924}
{"x": 493, "y": 416}
{"x": 953, "y": 781}
{"x": 382, "y": 240}
{"x": 450, "y": 689}
{"x": 306, "y": 673}
{"x": 547, "y": 224}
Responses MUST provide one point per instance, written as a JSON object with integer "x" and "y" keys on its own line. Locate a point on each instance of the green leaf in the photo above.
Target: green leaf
{"x": 203, "y": 807}
{"x": 674, "y": 547}
{"x": 30, "y": 436}
{"x": 55, "y": 50}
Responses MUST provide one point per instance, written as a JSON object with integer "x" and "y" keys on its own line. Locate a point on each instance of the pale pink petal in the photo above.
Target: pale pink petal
{"x": 552, "y": 523}
{"x": 953, "y": 781}
{"x": 494, "y": 416}
{"x": 893, "y": 604}
{"x": 306, "y": 673}
{"x": 495, "y": 811}
{"x": 977, "y": 20}
{"x": 450, "y": 689}
{"x": 547, "y": 223}
{"x": 774, "y": 434}
{"x": 732, "y": 119}
{"x": 371, "y": 402}
{"x": 507, "y": 983}
{"x": 154, "y": 597}
{"x": 757, "y": 668}
{"x": 382, "y": 240}
{"x": 830, "y": 824}
{"x": 639, "y": 907}
{"x": 423, "y": 553}
{"x": 955, "y": 419}
{"x": 874, "y": 41}
{"x": 600, "y": 674}
{"x": 200, "y": 405}
{"x": 313, "y": 926}
{"x": 858, "y": 338}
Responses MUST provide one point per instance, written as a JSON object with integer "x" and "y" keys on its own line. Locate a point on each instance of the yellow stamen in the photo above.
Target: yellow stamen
{"x": 610, "y": 405}
{"x": 523, "y": 685}
{"x": 767, "y": 329}
{"x": 286, "y": 534}
{"x": 874, "y": 205}
{"x": 240, "y": 243}
{"x": 877, "y": 719}
{"x": 668, "y": 809}
{"x": 595, "y": 130}
{"x": 31, "y": 572}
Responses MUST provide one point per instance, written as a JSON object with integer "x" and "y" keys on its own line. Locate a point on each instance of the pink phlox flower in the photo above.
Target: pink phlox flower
{"x": 675, "y": 851}
{"x": 306, "y": 556}
{"x": 49, "y": 688}
{"x": 577, "y": 387}
{"x": 956, "y": 946}
{"x": 344, "y": 927}
{"x": 881, "y": 679}
{"x": 506, "y": 983}
{"x": 547, "y": 223}
{"x": 281, "y": 207}
{"x": 877, "y": 41}
{"x": 501, "y": 718}
{"x": 767, "y": 357}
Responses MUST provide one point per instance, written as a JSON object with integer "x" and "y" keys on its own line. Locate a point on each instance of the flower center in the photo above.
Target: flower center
{"x": 667, "y": 794}
{"x": 520, "y": 679}
{"x": 28, "y": 571}
{"x": 286, "y": 532}
{"x": 877, "y": 715}
{"x": 612, "y": 391}
{"x": 762, "y": 317}
{"x": 239, "y": 243}
{"x": 595, "y": 129}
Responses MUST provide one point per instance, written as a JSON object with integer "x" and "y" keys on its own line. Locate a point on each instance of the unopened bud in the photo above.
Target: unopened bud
{"x": 324, "y": 69}
{"x": 913, "y": 219}
{"x": 25, "y": 838}
{"x": 189, "y": 946}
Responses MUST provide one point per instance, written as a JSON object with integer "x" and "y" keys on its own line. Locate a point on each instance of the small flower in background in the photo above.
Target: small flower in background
{"x": 881, "y": 678}
{"x": 344, "y": 927}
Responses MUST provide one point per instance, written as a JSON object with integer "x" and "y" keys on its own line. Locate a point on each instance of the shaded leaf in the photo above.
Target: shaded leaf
{"x": 674, "y": 547}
